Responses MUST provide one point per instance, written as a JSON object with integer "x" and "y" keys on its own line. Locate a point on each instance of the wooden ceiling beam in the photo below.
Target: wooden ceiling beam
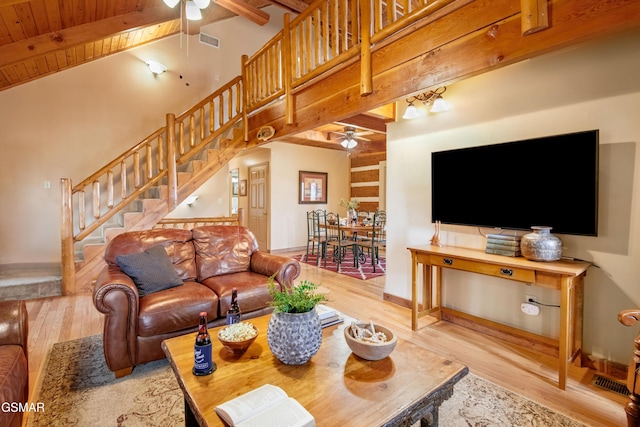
{"x": 47, "y": 43}
{"x": 4, "y": 3}
{"x": 366, "y": 122}
{"x": 295, "y": 6}
{"x": 241, "y": 8}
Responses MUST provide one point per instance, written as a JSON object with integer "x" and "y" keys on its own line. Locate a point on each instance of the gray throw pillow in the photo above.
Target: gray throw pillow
{"x": 151, "y": 270}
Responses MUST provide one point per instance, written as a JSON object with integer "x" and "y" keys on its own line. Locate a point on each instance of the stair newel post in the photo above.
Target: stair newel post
{"x": 172, "y": 170}
{"x": 286, "y": 67}
{"x": 241, "y": 217}
{"x": 245, "y": 97}
{"x": 66, "y": 238}
{"x": 366, "y": 72}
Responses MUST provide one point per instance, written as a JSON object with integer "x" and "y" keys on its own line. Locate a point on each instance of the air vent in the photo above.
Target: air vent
{"x": 611, "y": 385}
{"x": 210, "y": 40}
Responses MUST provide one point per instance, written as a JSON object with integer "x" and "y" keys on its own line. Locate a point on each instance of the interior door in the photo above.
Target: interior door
{"x": 259, "y": 204}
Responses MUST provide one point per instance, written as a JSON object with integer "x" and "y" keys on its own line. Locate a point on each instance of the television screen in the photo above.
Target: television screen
{"x": 550, "y": 181}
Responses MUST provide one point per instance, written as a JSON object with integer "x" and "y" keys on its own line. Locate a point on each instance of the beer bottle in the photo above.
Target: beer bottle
{"x": 203, "y": 363}
{"x": 233, "y": 313}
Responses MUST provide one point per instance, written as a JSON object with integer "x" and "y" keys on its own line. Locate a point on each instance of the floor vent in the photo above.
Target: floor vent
{"x": 209, "y": 40}
{"x": 611, "y": 385}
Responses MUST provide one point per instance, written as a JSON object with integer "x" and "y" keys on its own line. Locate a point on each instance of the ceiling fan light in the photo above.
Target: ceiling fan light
{"x": 202, "y": 4}
{"x": 171, "y": 3}
{"x": 349, "y": 143}
{"x": 192, "y": 11}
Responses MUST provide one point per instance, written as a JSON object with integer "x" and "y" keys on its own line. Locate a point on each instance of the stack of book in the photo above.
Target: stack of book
{"x": 501, "y": 244}
{"x": 328, "y": 316}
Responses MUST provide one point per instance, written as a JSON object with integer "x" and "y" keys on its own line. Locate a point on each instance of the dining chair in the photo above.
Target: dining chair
{"x": 375, "y": 239}
{"x": 315, "y": 235}
{"x": 337, "y": 240}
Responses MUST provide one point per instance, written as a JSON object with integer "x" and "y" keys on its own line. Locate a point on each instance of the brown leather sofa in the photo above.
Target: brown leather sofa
{"x": 14, "y": 366}
{"x": 210, "y": 261}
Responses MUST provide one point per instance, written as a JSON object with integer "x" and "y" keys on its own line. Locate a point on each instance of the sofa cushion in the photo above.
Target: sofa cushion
{"x": 252, "y": 290}
{"x": 176, "y": 309}
{"x": 13, "y": 379}
{"x": 151, "y": 270}
{"x": 177, "y": 243}
{"x": 222, "y": 249}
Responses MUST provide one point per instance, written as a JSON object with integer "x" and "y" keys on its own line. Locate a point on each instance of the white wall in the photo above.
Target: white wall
{"x": 288, "y": 221}
{"x": 71, "y": 123}
{"x": 288, "y": 227}
{"x": 588, "y": 87}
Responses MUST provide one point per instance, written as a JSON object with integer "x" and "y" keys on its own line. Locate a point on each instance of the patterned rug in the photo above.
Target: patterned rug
{"x": 362, "y": 271}
{"x": 77, "y": 389}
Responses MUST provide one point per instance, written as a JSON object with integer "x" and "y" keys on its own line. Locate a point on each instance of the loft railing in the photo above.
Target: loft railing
{"x": 328, "y": 35}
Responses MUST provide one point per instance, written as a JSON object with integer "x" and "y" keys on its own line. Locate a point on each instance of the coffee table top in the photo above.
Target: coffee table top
{"x": 335, "y": 386}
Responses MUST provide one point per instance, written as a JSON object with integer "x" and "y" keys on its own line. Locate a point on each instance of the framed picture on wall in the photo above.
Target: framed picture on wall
{"x": 242, "y": 188}
{"x": 312, "y": 187}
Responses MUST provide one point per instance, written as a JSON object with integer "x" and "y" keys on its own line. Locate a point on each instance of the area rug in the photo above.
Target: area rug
{"x": 78, "y": 389}
{"x": 363, "y": 271}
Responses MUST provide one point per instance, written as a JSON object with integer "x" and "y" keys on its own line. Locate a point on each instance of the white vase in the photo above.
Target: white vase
{"x": 541, "y": 245}
{"x": 294, "y": 337}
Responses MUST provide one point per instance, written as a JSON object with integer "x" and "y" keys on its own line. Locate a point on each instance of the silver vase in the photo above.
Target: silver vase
{"x": 294, "y": 337}
{"x": 541, "y": 245}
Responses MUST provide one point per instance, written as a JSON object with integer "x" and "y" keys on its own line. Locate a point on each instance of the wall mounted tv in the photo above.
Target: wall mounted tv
{"x": 550, "y": 181}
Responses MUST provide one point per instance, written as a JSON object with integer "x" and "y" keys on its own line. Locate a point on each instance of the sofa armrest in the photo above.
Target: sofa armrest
{"x": 115, "y": 295}
{"x": 287, "y": 269}
{"x": 14, "y": 325}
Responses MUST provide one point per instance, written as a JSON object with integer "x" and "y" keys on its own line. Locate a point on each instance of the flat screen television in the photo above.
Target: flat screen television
{"x": 550, "y": 181}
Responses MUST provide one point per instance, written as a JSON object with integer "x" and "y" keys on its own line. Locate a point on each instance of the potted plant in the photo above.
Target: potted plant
{"x": 351, "y": 207}
{"x": 294, "y": 333}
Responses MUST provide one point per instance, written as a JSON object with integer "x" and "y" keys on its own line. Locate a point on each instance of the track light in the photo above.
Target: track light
{"x": 156, "y": 67}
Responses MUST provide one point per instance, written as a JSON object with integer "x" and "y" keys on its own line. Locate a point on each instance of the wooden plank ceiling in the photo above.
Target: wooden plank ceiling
{"x": 42, "y": 37}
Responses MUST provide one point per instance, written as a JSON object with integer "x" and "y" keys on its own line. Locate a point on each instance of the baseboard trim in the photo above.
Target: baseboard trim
{"x": 288, "y": 250}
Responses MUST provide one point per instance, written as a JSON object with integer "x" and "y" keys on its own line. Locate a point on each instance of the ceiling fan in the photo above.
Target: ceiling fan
{"x": 349, "y": 137}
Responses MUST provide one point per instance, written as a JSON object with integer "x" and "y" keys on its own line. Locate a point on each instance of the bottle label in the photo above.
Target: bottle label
{"x": 202, "y": 358}
{"x": 233, "y": 318}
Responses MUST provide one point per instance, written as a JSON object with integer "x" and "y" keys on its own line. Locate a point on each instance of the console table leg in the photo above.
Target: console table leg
{"x": 189, "y": 419}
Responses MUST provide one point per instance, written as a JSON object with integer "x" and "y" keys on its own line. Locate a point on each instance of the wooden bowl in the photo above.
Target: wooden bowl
{"x": 237, "y": 347}
{"x": 371, "y": 350}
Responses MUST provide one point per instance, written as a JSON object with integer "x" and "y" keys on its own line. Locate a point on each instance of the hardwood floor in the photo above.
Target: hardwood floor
{"x": 518, "y": 369}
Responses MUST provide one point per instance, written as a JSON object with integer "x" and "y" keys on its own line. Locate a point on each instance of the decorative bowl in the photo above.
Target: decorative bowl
{"x": 237, "y": 346}
{"x": 371, "y": 350}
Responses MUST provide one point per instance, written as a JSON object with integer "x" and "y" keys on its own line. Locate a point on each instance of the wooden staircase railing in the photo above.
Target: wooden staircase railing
{"x": 327, "y": 36}
{"x": 191, "y": 223}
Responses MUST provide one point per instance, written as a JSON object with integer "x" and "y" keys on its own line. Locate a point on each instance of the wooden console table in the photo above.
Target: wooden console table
{"x": 565, "y": 276}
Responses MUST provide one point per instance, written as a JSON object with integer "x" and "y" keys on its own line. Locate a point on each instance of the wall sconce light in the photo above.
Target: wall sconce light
{"x": 191, "y": 200}
{"x": 156, "y": 67}
{"x": 433, "y": 98}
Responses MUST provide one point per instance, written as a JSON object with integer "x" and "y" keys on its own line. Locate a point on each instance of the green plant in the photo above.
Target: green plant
{"x": 295, "y": 299}
{"x": 350, "y": 205}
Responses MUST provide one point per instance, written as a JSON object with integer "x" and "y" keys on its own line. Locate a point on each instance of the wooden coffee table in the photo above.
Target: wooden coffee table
{"x": 335, "y": 386}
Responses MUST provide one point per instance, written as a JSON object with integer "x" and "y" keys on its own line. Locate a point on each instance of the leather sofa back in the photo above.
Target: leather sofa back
{"x": 223, "y": 249}
{"x": 176, "y": 242}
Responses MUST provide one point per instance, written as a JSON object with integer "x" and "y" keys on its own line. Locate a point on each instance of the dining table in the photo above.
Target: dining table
{"x": 352, "y": 229}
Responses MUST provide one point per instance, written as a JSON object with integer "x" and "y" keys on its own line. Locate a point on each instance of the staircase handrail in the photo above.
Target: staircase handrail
{"x": 326, "y": 36}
